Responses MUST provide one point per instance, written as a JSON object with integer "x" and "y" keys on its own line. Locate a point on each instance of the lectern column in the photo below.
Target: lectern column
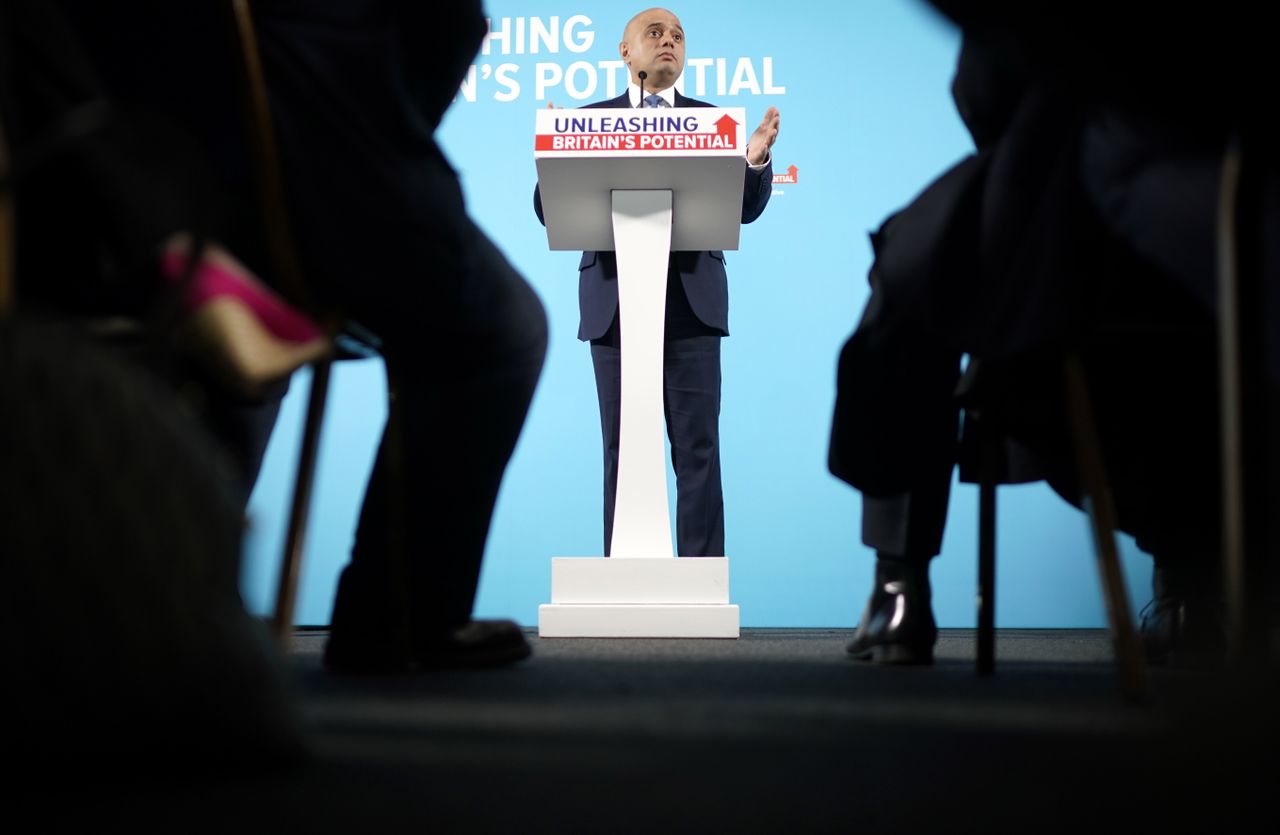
{"x": 642, "y": 236}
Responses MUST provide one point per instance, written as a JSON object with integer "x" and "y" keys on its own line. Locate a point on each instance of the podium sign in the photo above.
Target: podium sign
{"x": 641, "y": 183}
{"x": 696, "y": 153}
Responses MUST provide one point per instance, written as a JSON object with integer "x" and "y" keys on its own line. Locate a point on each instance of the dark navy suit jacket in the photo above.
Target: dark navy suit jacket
{"x": 702, "y": 273}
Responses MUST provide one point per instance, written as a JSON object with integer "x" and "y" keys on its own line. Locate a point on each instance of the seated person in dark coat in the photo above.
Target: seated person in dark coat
{"x": 357, "y": 90}
{"x": 1005, "y": 259}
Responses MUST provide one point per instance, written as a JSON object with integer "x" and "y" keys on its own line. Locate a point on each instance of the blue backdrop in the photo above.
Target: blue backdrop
{"x": 867, "y": 121}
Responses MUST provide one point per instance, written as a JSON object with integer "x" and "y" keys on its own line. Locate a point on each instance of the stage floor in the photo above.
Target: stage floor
{"x": 774, "y": 732}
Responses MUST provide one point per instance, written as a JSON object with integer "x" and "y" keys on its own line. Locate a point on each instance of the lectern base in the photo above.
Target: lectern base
{"x": 621, "y": 597}
{"x": 637, "y": 620}
{"x": 638, "y": 580}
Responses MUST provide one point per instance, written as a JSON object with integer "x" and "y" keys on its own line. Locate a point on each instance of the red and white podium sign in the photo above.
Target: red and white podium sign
{"x": 641, "y": 183}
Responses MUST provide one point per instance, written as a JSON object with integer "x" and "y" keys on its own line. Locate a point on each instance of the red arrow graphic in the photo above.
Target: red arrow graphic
{"x": 725, "y": 126}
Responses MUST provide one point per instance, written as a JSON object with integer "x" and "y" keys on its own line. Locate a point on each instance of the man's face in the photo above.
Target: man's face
{"x": 654, "y": 42}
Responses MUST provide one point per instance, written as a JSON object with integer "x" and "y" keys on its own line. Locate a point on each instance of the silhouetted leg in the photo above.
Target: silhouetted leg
{"x": 244, "y": 430}
{"x": 464, "y": 392}
{"x": 894, "y": 437}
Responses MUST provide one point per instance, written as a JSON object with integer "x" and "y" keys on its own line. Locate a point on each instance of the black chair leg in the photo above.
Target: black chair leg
{"x": 986, "y": 578}
{"x": 8, "y": 290}
{"x": 986, "y": 554}
{"x": 398, "y": 512}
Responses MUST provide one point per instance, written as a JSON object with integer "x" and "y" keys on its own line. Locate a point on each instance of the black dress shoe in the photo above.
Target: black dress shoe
{"x": 1184, "y": 625}
{"x": 897, "y": 626}
{"x": 477, "y": 643}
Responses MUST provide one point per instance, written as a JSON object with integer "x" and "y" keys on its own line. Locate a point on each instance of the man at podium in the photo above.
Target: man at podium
{"x": 697, "y": 307}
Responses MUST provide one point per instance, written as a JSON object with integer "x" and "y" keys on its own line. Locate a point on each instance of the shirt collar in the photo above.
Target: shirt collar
{"x": 633, "y": 91}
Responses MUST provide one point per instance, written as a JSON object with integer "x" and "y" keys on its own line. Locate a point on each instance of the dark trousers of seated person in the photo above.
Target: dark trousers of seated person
{"x": 463, "y": 392}
{"x": 691, "y": 406}
{"x": 895, "y": 430}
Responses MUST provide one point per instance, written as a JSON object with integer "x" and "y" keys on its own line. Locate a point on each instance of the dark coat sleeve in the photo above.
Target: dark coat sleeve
{"x": 757, "y": 187}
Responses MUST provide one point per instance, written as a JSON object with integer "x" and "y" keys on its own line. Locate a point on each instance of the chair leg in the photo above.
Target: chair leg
{"x": 300, "y": 509}
{"x": 8, "y": 291}
{"x": 1102, "y": 518}
{"x": 986, "y": 578}
{"x": 986, "y": 555}
{"x": 266, "y": 159}
{"x": 1241, "y": 346}
{"x": 398, "y": 511}
{"x": 1229, "y": 363}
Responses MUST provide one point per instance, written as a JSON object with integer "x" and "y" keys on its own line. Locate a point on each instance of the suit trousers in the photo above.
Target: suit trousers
{"x": 691, "y": 404}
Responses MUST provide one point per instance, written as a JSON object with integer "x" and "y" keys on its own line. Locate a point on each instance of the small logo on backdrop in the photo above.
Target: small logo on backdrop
{"x": 788, "y": 177}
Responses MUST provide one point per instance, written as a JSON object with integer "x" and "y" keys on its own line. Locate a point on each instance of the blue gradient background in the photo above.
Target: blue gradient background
{"x": 868, "y": 120}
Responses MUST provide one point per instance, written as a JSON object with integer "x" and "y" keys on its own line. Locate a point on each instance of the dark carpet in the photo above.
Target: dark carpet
{"x": 774, "y": 732}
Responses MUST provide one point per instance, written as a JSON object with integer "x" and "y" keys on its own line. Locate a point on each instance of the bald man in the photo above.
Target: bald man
{"x": 697, "y": 308}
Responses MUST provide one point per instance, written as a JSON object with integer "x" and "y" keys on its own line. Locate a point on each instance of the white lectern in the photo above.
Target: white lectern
{"x": 641, "y": 183}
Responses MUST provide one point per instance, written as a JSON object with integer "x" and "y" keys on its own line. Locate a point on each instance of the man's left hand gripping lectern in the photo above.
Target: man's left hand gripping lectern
{"x": 642, "y": 183}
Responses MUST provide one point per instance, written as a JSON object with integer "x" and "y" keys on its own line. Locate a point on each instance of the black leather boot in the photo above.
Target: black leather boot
{"x": 1184, "y": 625}
{"x": 897, "y": 626}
